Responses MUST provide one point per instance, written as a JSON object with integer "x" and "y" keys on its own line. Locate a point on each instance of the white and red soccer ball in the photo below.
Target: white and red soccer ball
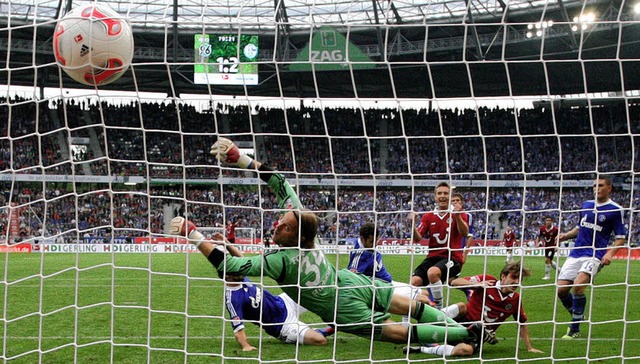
{"x": 93, "y": 44}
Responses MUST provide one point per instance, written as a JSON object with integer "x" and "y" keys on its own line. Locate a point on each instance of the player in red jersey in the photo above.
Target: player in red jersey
{"x": 231, "y": 229}
{"x": 509, "y": 240}
{"x": 548, "y": 238}
{"x": 491, "y": 301}
{"x": 445, "y": 226}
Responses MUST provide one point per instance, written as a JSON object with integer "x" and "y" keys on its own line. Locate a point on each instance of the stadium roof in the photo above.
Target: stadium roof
{"x": 299, "y": 14}
{"x": 422, "y": 49}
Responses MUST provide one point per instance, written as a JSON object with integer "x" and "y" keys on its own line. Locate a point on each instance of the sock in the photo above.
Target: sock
{"x": 547, "y": 270}
{"x": 567, "y": 302}
{"x": 509, "y": 257}
{"x": 579, "y": 303}
{"x": 437, "y": 292}
{"x": 442, "y": 350}
{"x": 429, "y": 334}
{"x": 427, "y": 314}
{"x": 452, "y": 311}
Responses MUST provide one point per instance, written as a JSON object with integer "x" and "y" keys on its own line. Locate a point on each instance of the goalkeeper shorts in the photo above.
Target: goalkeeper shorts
{"x": 363, "y": 303}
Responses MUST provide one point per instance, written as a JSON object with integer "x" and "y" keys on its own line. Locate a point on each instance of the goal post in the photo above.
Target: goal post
{"x": 364, "y": 107}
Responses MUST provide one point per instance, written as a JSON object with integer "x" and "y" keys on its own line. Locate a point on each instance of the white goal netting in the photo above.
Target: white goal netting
{"x": 365, "y": 106}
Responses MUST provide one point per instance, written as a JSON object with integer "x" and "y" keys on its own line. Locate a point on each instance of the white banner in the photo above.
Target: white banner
{"x": 115, "y": 248}
{"x": 257, "y": 249}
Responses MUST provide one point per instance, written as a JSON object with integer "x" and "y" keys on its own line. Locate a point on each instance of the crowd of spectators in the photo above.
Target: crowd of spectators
{"x": 171, "y": 141}
{"x": 106, "y": 213}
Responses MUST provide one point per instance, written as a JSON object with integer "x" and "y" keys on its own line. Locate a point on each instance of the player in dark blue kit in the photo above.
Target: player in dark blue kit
{"x": 599, "y": 218}
{"x": 364, "y": 258}
{"x": 277, "y": 315}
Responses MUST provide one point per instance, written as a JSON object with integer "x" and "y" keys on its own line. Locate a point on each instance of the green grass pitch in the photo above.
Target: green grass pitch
{"x": 168, "y": 308}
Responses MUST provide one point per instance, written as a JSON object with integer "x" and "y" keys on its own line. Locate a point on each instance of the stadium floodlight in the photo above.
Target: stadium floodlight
{"x": 583, "y": 21}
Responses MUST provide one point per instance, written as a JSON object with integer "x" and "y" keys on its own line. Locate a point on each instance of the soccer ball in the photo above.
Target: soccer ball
{"x": 93, "y": 44}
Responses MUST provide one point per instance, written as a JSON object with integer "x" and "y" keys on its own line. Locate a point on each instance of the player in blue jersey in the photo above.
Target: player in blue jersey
{"x": 278, "y": 315}
{"x": 599, "y": 218}
{"x": 364, "y": 258}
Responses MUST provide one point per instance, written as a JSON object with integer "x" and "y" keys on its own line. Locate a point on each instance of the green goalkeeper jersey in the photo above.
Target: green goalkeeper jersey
{"x": 305, "y": 275}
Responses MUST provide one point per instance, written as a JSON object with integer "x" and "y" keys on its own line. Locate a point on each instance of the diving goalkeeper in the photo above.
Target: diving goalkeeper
{"x": 354, "y": 303}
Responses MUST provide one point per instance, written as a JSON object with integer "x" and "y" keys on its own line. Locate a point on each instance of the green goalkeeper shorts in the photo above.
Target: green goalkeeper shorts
{"x": 363, "y": 303}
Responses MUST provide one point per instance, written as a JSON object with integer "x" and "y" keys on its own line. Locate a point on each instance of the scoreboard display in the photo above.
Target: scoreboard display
{"x": 226, "y": 59}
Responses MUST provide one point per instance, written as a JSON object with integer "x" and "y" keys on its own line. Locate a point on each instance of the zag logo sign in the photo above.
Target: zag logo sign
{"x": 330, "y": 51}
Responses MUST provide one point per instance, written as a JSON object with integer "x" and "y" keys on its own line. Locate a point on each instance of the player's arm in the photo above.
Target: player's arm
{"x": 461, "y": 219}
{"x": 215, "y": 252}
{"x": 419, "y": 230}
{"x": 235, "y": 318}
{"x": 524, "y": 335}
{"x": 227, "y": 152}
{"x": 621, "y": 238}
{"x": 241, "y": 338}
{"x": 540, "y": 239}
{"x": 617, "y": 244}
{"x": 471, "y": 282}
{"x": 467, "y": 247}
{"x": 569, "y": 234}
{"x": 233, "y": 250}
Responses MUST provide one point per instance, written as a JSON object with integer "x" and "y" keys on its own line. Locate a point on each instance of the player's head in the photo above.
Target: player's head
{"x": 457, "y": 199}
{"x": 602, "y": 188}
{"x": 233, "y": 279}
{"x": 296, "y": 229}
{"x": 511, "y": 275}
{"x": 368, "y": 234}
{"x": 442, "y": 192}
{"x": 508, "y": 228}
{"x": 548, "y": 221}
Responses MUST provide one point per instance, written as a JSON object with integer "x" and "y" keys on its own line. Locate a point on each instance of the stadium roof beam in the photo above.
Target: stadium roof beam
{"x": 567, "y": 21}
{"x": 474, "y": 31}
{"x": 283, "y": 30}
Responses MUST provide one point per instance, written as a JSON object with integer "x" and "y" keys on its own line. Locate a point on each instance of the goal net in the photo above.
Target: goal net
{"x": 365, "y": 107}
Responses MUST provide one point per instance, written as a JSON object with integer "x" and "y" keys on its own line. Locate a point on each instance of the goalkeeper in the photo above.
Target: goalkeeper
{"x": 352, "y": 302}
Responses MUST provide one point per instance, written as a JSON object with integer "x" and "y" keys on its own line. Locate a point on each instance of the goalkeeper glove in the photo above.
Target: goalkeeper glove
{"x": 227, "y": 151}
{"x": 181, "y": 227}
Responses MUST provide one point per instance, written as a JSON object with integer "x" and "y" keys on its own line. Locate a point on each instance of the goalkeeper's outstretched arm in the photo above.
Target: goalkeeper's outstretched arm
{"x": 227, "y": 152}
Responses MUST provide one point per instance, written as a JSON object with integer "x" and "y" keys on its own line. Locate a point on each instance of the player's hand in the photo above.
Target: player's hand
{"x": 178, "y": 226}
{"x": 182, "y": 227}
{"x": 606, "y": 259}
{"x": 227, "y": 152}
{"x": 218, "y": 238}
{"x": 534, "y": 350}
{"x": 489, "y": 283}
{"x": 249, "y": 348}
{"x": 457, "y": 206}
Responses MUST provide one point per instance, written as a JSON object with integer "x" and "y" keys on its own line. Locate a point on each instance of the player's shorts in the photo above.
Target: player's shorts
{"x": 573, "y": 266}
{"x": 449, "y": 268}
{"x": 549, "y": 252}
{"x": 363, "y": 304}
{"x": 293, "y": 330}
